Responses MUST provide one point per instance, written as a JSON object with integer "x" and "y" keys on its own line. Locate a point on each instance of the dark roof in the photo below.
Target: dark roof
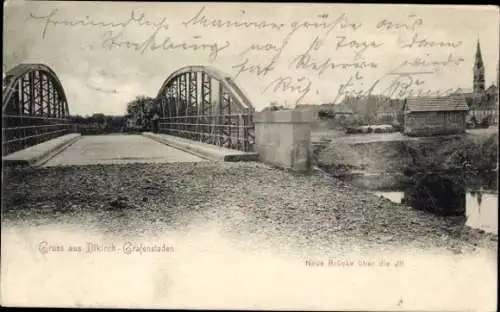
{"x": 436, "y": 104}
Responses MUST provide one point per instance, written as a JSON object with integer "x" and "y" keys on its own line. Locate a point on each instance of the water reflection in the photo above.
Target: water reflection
{"x": 395, "y": 197}
{"x": 437, "y": 193}
{"x": 478, "y": 196}
{"x": 482, "y": 211}
{"x": 451, "y": 194}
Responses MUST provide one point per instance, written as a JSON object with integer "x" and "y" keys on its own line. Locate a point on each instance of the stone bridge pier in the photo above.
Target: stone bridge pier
{"x": 283, "y": 138}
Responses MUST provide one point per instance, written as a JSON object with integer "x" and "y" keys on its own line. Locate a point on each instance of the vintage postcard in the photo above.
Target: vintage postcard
{"x": 261, "y": 156}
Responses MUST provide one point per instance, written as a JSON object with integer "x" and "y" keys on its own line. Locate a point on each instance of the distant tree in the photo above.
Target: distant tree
{"x": 326, "y": 113}
{"x": 140, "y": 109}
{"x": 273, "y": 106}
{"x": 141, "y": 103}
{"x": 98, "y": 118}
{"x": 115, "y": 122}
{"x": 155, "y": 108}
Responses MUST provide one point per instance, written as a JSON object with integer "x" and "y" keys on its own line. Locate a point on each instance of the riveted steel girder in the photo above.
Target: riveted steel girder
{"x": 34, "y": 107}
{"x": 204, "y": 104}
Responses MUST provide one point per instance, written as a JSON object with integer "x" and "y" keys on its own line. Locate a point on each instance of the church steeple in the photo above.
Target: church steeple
{"x": 478, "y": 71}
{"x": 498, "y": 75}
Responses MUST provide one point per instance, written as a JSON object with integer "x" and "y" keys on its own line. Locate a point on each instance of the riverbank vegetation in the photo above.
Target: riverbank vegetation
{"x": 98, "y": 124}
{"x": 469, "y": 153}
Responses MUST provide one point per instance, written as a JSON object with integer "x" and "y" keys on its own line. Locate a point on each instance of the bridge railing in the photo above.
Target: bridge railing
{"x": 22, "y": 131}
{"x": 235, "y": 131}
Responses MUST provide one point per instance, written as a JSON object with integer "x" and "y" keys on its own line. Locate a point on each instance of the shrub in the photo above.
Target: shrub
{"x": 397, "y": 128}
{"x": 485, "y": 123}
{"x": 351, "y": 130}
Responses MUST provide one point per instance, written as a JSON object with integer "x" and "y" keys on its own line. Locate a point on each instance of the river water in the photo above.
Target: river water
{"x": 481, "y": 208}
{"x": 474, "y": 196}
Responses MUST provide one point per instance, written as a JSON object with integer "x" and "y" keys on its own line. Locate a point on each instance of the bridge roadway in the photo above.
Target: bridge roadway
{"x": 119, "y": 149}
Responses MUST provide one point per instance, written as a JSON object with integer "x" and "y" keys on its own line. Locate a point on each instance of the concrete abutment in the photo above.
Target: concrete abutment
{"x": 283, "y": 138}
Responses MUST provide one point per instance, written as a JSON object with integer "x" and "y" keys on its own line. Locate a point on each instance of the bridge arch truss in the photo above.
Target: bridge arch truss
{"x": 34, "y": 107}
{"x": 203, "y": 104}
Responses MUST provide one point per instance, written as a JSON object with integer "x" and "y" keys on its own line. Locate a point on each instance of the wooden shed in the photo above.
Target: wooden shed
{"x": 427, "y": 116}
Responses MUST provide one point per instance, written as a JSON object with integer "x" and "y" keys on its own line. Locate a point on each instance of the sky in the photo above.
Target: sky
{"x": 100, "y": 74}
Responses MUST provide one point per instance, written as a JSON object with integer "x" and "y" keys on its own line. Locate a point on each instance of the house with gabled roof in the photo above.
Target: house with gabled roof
{"x": 428, "y": 116}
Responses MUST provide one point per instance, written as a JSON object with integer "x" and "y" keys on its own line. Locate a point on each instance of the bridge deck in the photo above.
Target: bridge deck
{"x": 119, "y": 149}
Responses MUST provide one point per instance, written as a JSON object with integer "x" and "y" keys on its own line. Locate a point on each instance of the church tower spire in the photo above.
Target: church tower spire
{"x": 478, "y": 71}
{"x": 498, "y": 75}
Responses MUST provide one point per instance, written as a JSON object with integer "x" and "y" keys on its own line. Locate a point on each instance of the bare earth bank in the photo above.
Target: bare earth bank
{"x": 291, "y": 209}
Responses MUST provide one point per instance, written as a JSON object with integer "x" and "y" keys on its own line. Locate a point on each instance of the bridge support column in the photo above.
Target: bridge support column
{"x": 282, "y": 138}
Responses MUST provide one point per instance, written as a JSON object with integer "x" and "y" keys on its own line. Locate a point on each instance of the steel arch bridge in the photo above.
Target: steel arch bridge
{"x": 203, "y": 104}
{"x": 34, "y": 107}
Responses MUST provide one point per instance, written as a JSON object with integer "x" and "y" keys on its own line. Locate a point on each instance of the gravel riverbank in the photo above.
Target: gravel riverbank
{"x": 247, "y": 198}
